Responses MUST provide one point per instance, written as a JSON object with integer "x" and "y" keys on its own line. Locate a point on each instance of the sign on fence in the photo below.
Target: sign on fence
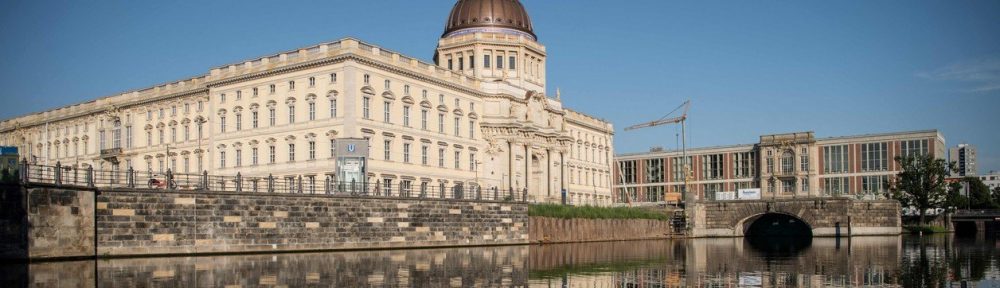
{"x": 723, "y": 196}
{"x": 749, "y": 194}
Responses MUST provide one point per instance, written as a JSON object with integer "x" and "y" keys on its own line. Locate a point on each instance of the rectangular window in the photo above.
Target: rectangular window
{"x": 458, "y": 122}
{"x": 312, "y": 111}
{"x": 461, "y": 63}
{"x": 804, "y": 159}
{"x": 366, "y": 108}
{"x": 472, "y": 161}
{"x": 406, "y": 116}
{"x": 271, "y": 88}
{"x": 836, "y": 159}
{"x": 628, "y": 171}
{"x": 423, "y": 119}
{"x": 711, "y": 188}
{"x": 253, "y": 119}
{"x": 239, "y": 122}
{"x": 677, "y": 167}
{"x": 222, "y": 126}
{"x": 272, "y": 116}
{"x": 499, "y": 62}
{"x": 333, "y": 148}
{"x": 386, "y": 112}
{"x": 440, "y": 122}
{"x": 312, "y": 150}
{"x": 654, "y": 170}
{"x": 486, "y": 61}
{"x": 458, "y": 158}
{"x": 333, "y": 77}
{"x": 291, "y": 152}
{"x": 788, "y": 186}
{"x": 388, "y": 84}
{"x": 913, "y": 147}
{"x": 874, "y": 157}
{"x": 222, "y": 160}
{"x": 255, "y": 92}
{"x": 406, "y": 152}
{"x": 312, "y": 81}
{"x": 874, "y": 185}
{"x": 711, "y": 166}
{"x": 291, "y": 85}
{"x": 423, "y": 155}
{"x": 173, "y": 136}
{"x": 272, "y": 155}
{"x": 239, "y": 95}
{"x": 239, "y": 157}
{"x": 836, "y": 186}
{"x": 387, "y": 150}
{"x": 770, "y": 165}
{"x": 291, "y": 114}
{"x": 743, "y": 164}
{"x": 513, "y": 63}
{"x": 253, "y": 156}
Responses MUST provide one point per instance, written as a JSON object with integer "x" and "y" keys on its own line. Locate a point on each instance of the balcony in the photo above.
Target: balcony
{"x": 111, "y": 154}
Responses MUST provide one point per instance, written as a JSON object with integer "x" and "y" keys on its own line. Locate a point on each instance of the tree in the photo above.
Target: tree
{"x": 921, "y": 183}
{"x": 979, "y": 193}
{"x": 996, "y": 195}
{"x": 956, "y": 197}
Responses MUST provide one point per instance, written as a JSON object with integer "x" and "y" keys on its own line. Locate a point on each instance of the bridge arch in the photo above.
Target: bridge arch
{"x": 774, "y": 224}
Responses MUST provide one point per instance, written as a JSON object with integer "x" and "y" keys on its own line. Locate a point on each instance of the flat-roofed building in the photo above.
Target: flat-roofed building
{"x": 780, "y": 165}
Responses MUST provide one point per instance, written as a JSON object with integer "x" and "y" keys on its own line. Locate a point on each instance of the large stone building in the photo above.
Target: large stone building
{"x": 478, "y": 116}
{"x": 781, "y": 165}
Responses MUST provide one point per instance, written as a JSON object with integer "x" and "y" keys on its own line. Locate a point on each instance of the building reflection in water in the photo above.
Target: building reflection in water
{"x": 736, "y": 262}
{"x": 456, "y": 267}
{"x": 898, "y": 261}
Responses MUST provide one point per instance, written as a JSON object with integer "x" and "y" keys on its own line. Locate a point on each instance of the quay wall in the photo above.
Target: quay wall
{"x": 63, "y": 222}
{"x": 556, "y": 230}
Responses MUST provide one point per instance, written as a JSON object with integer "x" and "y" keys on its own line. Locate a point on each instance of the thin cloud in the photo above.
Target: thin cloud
{"x": 982, "y": 74}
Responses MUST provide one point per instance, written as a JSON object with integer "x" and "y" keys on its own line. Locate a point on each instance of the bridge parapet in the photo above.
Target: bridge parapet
{"x": 824, "y": 215}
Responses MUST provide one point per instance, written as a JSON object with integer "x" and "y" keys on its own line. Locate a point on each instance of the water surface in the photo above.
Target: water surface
{"x": 895, "y": 261}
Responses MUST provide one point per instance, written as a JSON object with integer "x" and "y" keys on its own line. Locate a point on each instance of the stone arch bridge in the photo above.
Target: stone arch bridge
{"x": 821, "y": 217}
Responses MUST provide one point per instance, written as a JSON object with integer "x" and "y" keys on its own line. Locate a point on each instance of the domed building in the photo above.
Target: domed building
{"x": 479, "y": 118}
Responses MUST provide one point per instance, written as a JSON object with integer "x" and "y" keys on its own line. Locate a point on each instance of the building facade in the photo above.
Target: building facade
{"x": 781, "y": 165}
{"x": 991, "y": 179}
{"x": 964, "y": 157}
{"x": 476, "y": 117}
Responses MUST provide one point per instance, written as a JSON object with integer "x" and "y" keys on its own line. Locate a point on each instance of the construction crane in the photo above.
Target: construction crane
{"x": 667, "y": 119}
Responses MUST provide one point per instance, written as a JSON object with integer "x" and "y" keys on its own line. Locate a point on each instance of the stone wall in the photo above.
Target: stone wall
{"x": 826, "y": 216}
{"x": 555, "y": 230}
{"x": 137, "y": 222}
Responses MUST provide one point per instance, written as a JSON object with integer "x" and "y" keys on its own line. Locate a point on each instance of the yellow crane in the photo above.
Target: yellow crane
{"x": 667, "y": 119}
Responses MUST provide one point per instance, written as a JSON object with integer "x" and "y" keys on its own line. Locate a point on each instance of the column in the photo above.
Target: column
{"x": 510, "y": 164}
{"x": 548, "y": 172}
{"x": 527, "y": 166}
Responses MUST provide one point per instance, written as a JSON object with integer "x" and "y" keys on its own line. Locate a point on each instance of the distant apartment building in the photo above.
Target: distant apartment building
{"x": 964, "y": 156}
{"x": 781, "y": 165}
{"x": 991, "y": 179}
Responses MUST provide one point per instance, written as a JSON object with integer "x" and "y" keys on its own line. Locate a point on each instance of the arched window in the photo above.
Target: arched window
{"x": 788, "y": 162}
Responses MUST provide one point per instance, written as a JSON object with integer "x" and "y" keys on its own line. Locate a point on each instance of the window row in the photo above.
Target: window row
{"x": 273, "y": 88}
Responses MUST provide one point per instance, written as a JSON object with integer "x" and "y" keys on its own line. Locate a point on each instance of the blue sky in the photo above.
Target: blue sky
{"x": 749, "y": 67}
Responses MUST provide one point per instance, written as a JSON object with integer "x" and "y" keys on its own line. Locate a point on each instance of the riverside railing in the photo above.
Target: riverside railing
{"x": 129, "y": 178}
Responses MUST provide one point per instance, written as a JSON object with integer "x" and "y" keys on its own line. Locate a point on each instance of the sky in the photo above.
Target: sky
{"x": 749, "y": 67}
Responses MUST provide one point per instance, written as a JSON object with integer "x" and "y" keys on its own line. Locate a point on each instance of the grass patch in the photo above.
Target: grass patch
{"x": 916, "y": 229}
{"x": 591, "y": 212}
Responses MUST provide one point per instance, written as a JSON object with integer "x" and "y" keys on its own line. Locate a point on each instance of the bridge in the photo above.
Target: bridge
{"x": 980, "y": 219}
{"x": 812, "y": 216}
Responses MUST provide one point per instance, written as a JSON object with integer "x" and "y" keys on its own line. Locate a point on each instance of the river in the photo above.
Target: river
{"x": 895, "y": 261}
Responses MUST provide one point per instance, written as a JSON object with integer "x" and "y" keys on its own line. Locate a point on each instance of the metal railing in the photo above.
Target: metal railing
{"x": 300, "y": 184}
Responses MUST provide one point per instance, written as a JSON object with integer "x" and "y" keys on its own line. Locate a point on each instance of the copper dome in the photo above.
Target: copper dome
{"x": 470, "y": 16}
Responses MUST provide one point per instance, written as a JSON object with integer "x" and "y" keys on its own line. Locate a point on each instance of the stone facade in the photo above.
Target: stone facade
{"x": 555, "y": 230}
{"x": 825, "y": 216}
{"x": 156, "y": 222}
{"x": 451, "y": 122}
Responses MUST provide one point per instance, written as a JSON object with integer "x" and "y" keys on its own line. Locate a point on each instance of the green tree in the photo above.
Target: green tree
{"x": 956, "y": 197}
{"x": 921, "y": 183}
{"x": 996, "y": 195}
{"x": 979, "y": 193}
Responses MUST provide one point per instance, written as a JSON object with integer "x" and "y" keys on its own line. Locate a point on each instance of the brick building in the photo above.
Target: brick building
{"x": 781, "y": 165}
